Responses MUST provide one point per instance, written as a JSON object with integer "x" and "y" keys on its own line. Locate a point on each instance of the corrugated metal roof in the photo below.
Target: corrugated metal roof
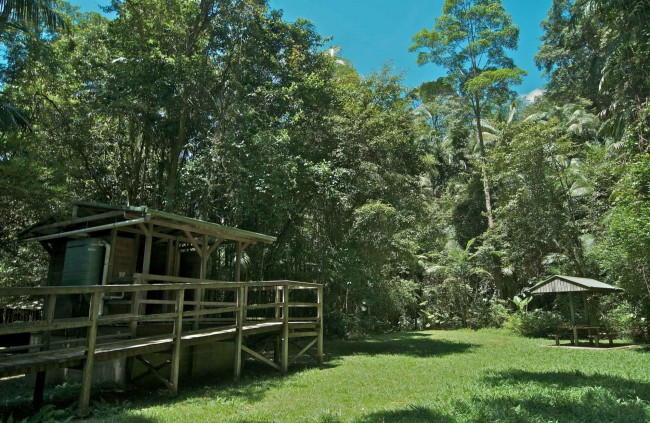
{"x": 216, "y": 229}
{"x": 561, "y": 283}
{"x": 87, "y": 211}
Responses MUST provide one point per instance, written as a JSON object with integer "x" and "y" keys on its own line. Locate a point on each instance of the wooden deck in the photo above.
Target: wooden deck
{"x": 183, "y": 314}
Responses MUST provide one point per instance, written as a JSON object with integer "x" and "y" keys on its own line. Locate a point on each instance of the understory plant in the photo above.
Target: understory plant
{"x": 536, "y": 323}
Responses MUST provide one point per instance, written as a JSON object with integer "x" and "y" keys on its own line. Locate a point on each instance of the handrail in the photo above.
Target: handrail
{"x": 180, "y": 279}
{"x": 109, "y": 289}
{"x": 175, "y": 310}
{"x": 134, "y": 317}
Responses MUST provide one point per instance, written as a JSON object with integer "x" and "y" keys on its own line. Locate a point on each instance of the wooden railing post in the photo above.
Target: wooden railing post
{"x": 39, "y": 386}
{"x": 91, "y": 339}
{"x": 135, "y": 305}
{"x": 319, "y": 300}
{"x": 278, "y": 300}
{"x": 178, "y": 334}
{"x": 278, "y": 315}
{"x": 285, "y": 328}
{"x": 198, "y": 299}
{"x": 239, "y": 335}
{"x": 245, "y": 301}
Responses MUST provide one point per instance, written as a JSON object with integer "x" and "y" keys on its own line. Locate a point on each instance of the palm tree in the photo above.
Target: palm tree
{"x": 18, "y": 15}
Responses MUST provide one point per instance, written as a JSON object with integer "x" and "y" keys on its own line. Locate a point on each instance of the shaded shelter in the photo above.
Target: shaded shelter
{"x": 571, "y": 285}
{"x": 128, "y": 298}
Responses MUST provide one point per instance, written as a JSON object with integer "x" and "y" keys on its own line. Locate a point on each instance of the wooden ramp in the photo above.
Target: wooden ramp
{"x": 186, "y": 315}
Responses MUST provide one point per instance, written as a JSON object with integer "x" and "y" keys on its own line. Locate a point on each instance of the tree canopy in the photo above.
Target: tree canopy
{"x": 470, "y": 39}
{"x": 419, "y": 207}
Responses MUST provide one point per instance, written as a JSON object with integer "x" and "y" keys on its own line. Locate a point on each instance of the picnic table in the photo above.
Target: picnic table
{"x": 594, "y": 334}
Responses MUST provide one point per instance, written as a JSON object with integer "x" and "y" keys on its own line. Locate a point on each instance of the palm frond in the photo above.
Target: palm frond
{"x": 12, "y": 118}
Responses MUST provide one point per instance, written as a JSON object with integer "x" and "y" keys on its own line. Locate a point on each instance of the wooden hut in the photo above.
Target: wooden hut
{"x": 127, "y": 286}
{"x": 138, "y": 240}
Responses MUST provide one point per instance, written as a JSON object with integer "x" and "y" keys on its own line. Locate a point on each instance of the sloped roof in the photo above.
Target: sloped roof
{"x": 94, "y": 216}
{"x": 561, "y": 283}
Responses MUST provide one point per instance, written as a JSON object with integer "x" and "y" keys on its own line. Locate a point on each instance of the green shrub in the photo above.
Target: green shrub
{"x": 623, "y": 319}
{"x": 484, "y": 313}
{"x": 487, "y": 313}
{"x": 351, "y": 326}
{"x": 536, "y": 323}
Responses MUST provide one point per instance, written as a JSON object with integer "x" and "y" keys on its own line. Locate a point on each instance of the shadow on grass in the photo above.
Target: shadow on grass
{"x": 258, "y": 379}
{"x": 410, "y": 344}
{"x": 411, "y": 414}
{"x": 645, "y": 348}
{"x": 564, "y": 396}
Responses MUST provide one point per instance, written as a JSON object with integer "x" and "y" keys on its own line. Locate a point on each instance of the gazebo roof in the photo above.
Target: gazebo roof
{"x": 561, "y": 283}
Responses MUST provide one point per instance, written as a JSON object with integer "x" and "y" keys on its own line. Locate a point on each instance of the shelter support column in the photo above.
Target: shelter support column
{"x": 573, "y": 319}
{"x": 146, "y": 264}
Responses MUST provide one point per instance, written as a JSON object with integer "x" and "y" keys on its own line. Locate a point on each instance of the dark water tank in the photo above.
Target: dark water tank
{"x": 83, "y": 265}
{"x": 84, "y": 262}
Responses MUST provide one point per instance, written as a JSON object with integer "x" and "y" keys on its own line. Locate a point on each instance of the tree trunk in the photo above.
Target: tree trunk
{"x": 172, "y": 171}
{"x": 484, "y": 174}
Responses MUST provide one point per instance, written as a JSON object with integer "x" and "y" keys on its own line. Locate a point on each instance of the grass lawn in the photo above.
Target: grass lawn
{"x": 436, "y": 376}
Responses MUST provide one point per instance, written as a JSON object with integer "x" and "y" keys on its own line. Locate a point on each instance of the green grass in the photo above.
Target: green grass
{"x": 435, "y": 376}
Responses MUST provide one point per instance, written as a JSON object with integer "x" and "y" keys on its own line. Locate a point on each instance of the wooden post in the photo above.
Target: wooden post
{"x": 87, "y": 377}
{"x": 319, "y": 299}
{"x": 146, "y": 259}
{"x": 39, "y": 386}
{"x": 178, "y": 333}
{"x": 169, "y": 268}
{"x": 573, "y": 320}
{"x": 239, "y": 322}
{"x": 198, "y": 297}
{"x": 135, "y": 306}
{"x": 146, "y": 263}
{"x": 585, "y": 304}
{"x": 285, "y": 328}
{"x": 177, "y": 259}
{"x": 111, "y": 260}
{"x": 278, "y": 315}
{"x": 204, "y": 257}
{"x": 278, "y": 300}
{"x": 238, "y": 262}
{"x": 200, "y": 293}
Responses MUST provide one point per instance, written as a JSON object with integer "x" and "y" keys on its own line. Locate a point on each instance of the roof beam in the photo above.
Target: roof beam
{"x": 76, "y": 220}
{"x": 194, "y": 242}
{"x": 217, "y": 243}
{"x": 215, "y": 233}
{"x": 91, "y": 229}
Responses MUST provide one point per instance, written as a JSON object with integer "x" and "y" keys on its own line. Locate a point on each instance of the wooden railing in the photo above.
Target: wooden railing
{"x": 189, "y": 307}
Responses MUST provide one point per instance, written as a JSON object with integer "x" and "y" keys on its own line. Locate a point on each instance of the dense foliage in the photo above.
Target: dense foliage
{"x": 430, "y": 207}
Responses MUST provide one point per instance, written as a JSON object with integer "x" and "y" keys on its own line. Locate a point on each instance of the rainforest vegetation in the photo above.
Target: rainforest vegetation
{"x": 427, "y": 207}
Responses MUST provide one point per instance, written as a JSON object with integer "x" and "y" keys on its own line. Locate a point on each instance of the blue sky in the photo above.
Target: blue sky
{"x": 376, "y": 32}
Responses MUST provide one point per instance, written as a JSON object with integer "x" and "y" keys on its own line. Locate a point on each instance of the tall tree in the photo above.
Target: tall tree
{"x": 599, "y": 50}
{"x": 471, "y": 40}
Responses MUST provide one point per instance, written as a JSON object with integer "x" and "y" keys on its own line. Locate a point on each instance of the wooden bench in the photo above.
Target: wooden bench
{"x": 602, "y": 334}
{"x": 557, "y": 336}
{"x": 596, "y": 337}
